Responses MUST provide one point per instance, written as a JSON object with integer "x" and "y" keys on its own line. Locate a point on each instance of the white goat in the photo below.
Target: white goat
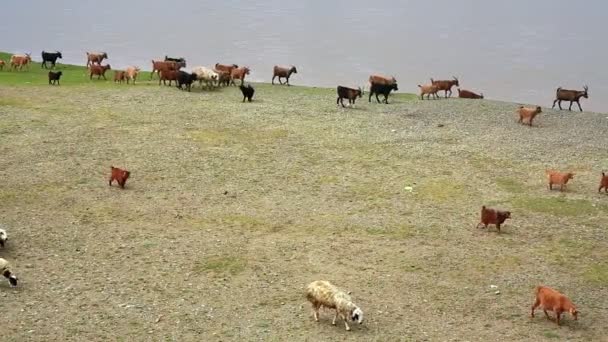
{"x": 323, "y": 293}
{"x": 205, "y": 74}
{"x": 5, "y": 270}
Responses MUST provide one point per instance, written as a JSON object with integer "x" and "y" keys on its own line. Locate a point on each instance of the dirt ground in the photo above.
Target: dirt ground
{"x": 232, "y": 209}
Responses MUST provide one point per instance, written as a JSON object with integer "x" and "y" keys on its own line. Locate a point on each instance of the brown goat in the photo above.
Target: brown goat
{"x": 99, "y": 70}
{"x": 604, "y": 183}
{"x": 160, "y": 66}
{"x": 570, "y": 95}
{"x": 467, "y": 94}
{"x": 493, "y": 216}
{"x": 225, "y": 67}
{"x": 95, "y": 57}
{"x": 119, "y": 175}
{"x": 223, "y": 77}
{"x": 446, "y": 85}
{"x": 551, "y": 300}
{"x": 168, "y": 75}
{"x": 559, "y": 178}
{"x": 120, "y": 76}
{"x": 2, "y": 63}
{"x": 132, "y": 73}
{"x": 379, "y": 79}
{"x": 281, "y": 72}
{"x": 528, "y": 114}
{"x": 20, "y": 61}
{"x": 428, "y": 90}
{"x": 239, "y": 74}
{"x": 349, "y": 93}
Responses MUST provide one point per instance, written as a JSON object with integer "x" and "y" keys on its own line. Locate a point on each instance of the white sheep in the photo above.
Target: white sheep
{"x": 3, "y": 237}
{"x": 323, "y": 293}
{"x": 205, "y": 74}
{"x": 5, "y": 270}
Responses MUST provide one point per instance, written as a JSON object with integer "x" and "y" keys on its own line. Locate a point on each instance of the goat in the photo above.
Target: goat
{"x": 239, "y": 74}
{"x": 2, "y": 64}
{"x": 281, "y": 72}
{"x": 5, "y": 270}
{"x": 528, "y": 113}
{"x": 551, "y": 300}
{"x": 99, "y": 70}
{"x": 247, "y": 92}
{"x": 20, "y": 61}
{"x": 54, "y": 77}
{"x": 603, "y": 183}
{"x": 467, "y": 94}
{"x": 493, "y": 216}
{"x": 206, "y": 75}
{"x": 119, "y": 175}
{"x": 225, "y": 67}
{"x": 185, "y": 79}
{"x": 384, "y": 89}
{"x": 50, "y": 57}
{"x": 428, "y": 90}
{"x": 348, "y": 93}
{"x": 322, "y": 293}
{"x": 120, "y": 76}
{"x": 3, "y": 237}
{"x": 95, "y": 57}
{"x": 570, "y": 95}
{"x": 160, "y": 66}
{"x": 559, "y": 178}
{"x": 132, "y": 73}
{"x": 168, "y": 75}
{"x": 180, "y": 60}
{"x": 223, "y": 78}
{"x": 446, "y": 85}
{"x": 379, "y": 79}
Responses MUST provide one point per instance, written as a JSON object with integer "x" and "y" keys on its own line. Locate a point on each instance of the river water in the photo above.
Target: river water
{"x": 514, "y": 50}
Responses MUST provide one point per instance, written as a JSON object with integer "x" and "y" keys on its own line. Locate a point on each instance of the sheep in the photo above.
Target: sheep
{"x": 239, "y": 74}
{"x": 322, "y": 293}
{"x": 528, "y": 113}
{"x": 428, "y": 90}
{"x": 99, "y": 70}
{"x": 206, "y": 75}
{"x": 282, "y": 72}
{"x": 95, "y": 57}
{"x": 54, "y": 77}
{"x": 559, "y": 178}
{"x": 20, "y": 61}
{"x": 247, "y": 92}
{"x": 493, "y": 216}
{"x": 3, "y": 237}
{"x": 132, "y": 73}
{"x": 5, "y": 270}
{"x": 570, "y": 95}
{"x": 467, "y": 94}
{"x": 119, "y": 175}
{"x": 551, "y": 300}
{"x": 119, "y": 76}
{"x": 348, "y": 93}
{"x": 603, "y": 183}
{"x": 446, "y": 85}
{"x": 50, "y": 57}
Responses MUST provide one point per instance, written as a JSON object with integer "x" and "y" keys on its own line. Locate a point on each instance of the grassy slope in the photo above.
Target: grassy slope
{"x": 313, "y": 191}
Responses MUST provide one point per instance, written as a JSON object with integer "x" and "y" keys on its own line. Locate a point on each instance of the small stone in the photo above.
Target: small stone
{"x": 497, "y": 292}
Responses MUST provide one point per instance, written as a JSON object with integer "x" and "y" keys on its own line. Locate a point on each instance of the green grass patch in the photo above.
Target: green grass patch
{"x": 558, "y": 206}
{"x": 510, "y": 185}
{"x": 220, "y": 265}
{"x": 597, "y": 274}
{"x": 550, "y": 334}
{"x": 403, "y": 231}
{"x": 440, "y": 190}
{"x": 237, "y": 136}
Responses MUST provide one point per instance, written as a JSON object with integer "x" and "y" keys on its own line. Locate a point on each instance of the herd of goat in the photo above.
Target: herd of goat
{"x": 319, "y": 293}
{"x": 169, "y": 69}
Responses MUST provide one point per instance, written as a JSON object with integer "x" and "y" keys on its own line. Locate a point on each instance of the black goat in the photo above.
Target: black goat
{"x": 384, "y": 89}
{"x": 570, "y": 95}
{"x": 247, "y": 92}
{"x": 185, "y": 79}
{"x": 349, "y": 93}
{"x": 180, "y": 60}
{"x": 50, "y": 57}
{"x": 54, "y": 77}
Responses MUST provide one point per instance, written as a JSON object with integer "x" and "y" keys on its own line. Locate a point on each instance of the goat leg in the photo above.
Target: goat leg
{"x": 579, "y": 105}
{"x": 570, "y": 108}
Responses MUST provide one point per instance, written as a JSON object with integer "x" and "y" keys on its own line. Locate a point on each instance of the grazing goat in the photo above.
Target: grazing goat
{"x": 239, "y": 74}
{"x": 206, "y": 75}
{"x": 603, "y": 183}
{"x": 54, "y": 77}
{"x": 120, "y": 76}
{"x": 119, "y": 175}
{"x": 322, "y": 293}
{"x": 180, "y": 60}
{"x": 168, "y": 75}
{"x": 95, "y": 57}
{"x": 558, "y": 178}
{"x": 247, "y": 92}
{"x": 384, "y": 89}
{"x": 281, "y": 72}
{"x": 379, "y": 79}
{"x": 527, "y": 113}
{"x": 20, "y": 61}
{"x": 446, "y": 85}
{"x": 99, "y": 70}
{"x": 160, "y": 66}
{"x": 185, "y": 79}
{"x": 467, "y": 94}
{"x": 570, "y": 95}
{"x": 551, "y": 300}
{"x": 348, "y": 93}
{"x": 428, "y": 90}
{"x": 3, "y": 237}
{"x": 50, "y": 57}
{"x": 132, "y": 73}
{"x": 5, "y": 270}
{"x": 2, "y": 63}
{"x": 493, "y": 216}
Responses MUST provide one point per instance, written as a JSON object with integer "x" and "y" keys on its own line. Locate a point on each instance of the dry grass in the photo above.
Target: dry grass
{"x": 233, "y": 208}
